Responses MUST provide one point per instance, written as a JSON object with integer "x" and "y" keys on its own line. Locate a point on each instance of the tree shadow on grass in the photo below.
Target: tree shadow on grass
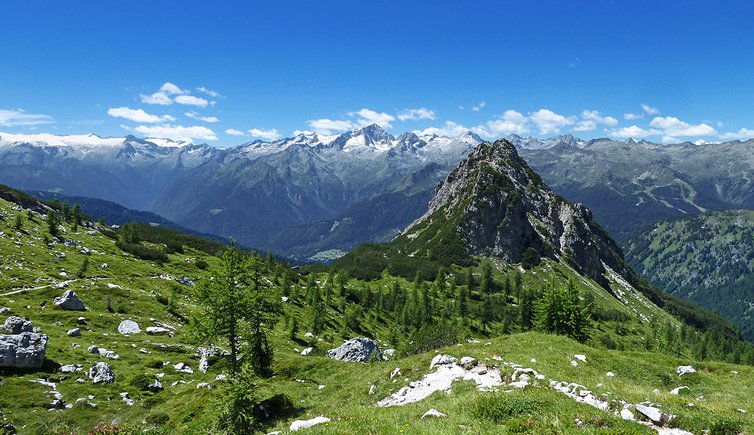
{"x": 273, "y": 409}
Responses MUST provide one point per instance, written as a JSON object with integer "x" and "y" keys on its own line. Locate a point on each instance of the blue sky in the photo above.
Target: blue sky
{"x": 228, "y": 72}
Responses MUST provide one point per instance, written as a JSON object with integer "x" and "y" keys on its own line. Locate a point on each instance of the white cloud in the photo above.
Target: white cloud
{"x": 196, "y": 116}
{"x": 137, "y": 115}
{"x": 672, "y": 127}
{"x": 450, "y": 129}
{"x": 548, "y": 121}
{"x": 479, "y": 106}
{"x": 363, "y": 117}
{"x": 234, "y": 132}
{"x": 271, "y": 134}
{"x": 744, "y": 133}
{"x": 158, "y": 98}
{"x": 416, "y": 114}
{"x": 12, "y": 118}
{"x": 327, "y": 126}
{"x": 177, "y": 132}
{"x": 649, "y": 110}
{"x": 633, "y": 131}
{"x": 510, "y": 122}
{"x": 590, "y": 119}
{"x": 191, "y": 100}
{"x": 210, "y": 92}
{"x": 633, "y": 116}
{"x": 369, "y": 117}
{"x": 171, "y": 89}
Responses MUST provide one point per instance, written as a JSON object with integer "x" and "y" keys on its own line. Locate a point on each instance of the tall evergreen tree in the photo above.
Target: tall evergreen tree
{"x": 560, "y": 311}
{"x": 236, "y": 306}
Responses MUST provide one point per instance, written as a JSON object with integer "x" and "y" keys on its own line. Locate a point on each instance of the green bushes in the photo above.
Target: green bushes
{"x": 501, "y": 408}
{"x": 143, "y": 252}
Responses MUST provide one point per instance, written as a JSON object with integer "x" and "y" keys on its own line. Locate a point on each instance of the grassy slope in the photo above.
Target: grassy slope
{"x": 345, "y": 396}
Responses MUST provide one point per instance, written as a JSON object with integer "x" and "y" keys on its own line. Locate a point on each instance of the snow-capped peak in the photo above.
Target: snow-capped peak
{"x": 169, "y": 143}
{"x": 46, "y": 139}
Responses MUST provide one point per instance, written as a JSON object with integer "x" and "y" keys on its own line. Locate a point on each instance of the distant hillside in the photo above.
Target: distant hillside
{"x": 708, "y": 259}
{"x": 115, "y": 214}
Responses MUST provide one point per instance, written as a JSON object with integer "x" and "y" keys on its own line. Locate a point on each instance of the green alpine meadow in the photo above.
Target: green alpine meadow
{"x": 503, "y": 309}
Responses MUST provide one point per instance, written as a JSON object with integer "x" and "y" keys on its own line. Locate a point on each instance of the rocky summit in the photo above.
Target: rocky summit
{"x": 493, "y": 204}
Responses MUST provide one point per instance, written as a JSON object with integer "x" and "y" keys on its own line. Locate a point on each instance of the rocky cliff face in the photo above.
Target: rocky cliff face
{"x": 499, "y": 207}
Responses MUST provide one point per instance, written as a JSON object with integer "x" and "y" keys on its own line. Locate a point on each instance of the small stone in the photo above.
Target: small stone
{"x": 467, "y": 362}
{"x": 372, "y": 389}
{"x": 433, "y": 413}
{"x": 155, "y": 386}
{"x": 75, "y": 332}
{"x": 307, "y": 351}
{"x": 574, "y": 363}
{"x": 395, "y": 372}
{"x": 303, "y": 424}
{"x": 683, "y": 370}
{"x": 653, "y": 414}
{"x": 677, "y": 391}
{"x": 441, "y": 360}
{"x": 580, "y": 357}
{"x": 610, "y": 374}
{"x": 157, "y": 330}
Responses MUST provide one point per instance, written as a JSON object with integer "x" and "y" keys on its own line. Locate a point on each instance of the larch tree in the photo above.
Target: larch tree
{"x": 236, "y": 306}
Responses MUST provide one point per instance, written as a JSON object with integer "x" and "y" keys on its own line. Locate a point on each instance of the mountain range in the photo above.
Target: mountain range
{"x": 315, "y": 197}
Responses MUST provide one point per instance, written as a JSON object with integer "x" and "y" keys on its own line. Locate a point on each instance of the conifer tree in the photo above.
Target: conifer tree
{"x": 235, "y": 305}
{"x": 561, "y": 312}
{"x": 53, "y": 221}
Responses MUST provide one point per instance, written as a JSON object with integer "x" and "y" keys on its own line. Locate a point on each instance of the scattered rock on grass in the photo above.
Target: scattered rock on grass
{"x": 303, "y": 424}
{"x": 360, "y": 349}
{"x": 75, "y": 332}
{"x": 157, "y": 330}
{"x": 101, "y": 373}
{"x": 441, "y": 360}
{"x": 127, "y": 327}
{"x": 16, "y": 325}
{"x": 683, "y": 370}
{"x": 433, "y": 413}
{"x": 677, "y": 391}
{"x": 69, "y": 301}
{"x": 653, "y": 414}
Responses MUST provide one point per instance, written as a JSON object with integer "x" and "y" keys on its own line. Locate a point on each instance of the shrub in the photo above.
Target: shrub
{"x": 141, "y": 251}
{"x": 430, "y": 337}
{"x": 725, "y": 426}
{"x": 157, "y": 419}
{"x": 500, "y": 408}
{"x": 140, "y": 381}
{"x": 201, "y": 264}
{"x": 162, "y": 299}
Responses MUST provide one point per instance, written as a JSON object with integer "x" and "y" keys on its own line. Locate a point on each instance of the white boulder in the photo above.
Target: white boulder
{"x": 303, "y": 424}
